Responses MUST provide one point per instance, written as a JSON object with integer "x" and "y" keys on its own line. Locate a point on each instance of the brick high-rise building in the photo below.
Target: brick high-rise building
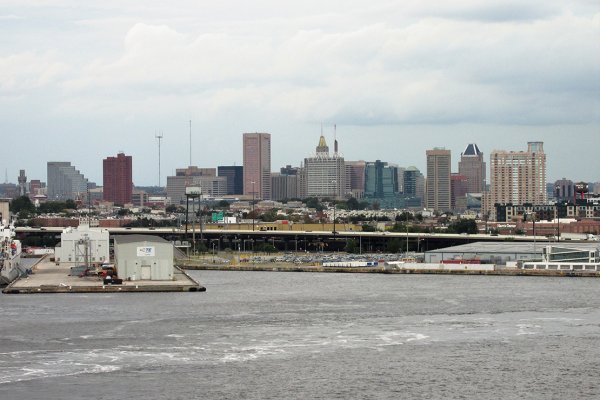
{"x": 257, "y": 165}
{"x": 518, "y": 177}
{"x": 438, "y": 188}
{"x": 472, "y": 166}
{"x": 117, "y": 178}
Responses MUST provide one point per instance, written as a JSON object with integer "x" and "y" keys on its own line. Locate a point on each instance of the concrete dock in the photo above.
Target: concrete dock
{"x": 280, "y": 267}
{"x": 48, "y": 277}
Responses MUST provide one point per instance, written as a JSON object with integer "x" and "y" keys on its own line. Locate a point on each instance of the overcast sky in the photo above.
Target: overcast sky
{"x": 80, "y": 81}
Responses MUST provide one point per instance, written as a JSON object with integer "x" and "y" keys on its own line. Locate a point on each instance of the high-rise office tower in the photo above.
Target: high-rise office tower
{"x": 65, "y": 182}
{"x": 355, "y": 178}
{"x": 438, "y": 180}
{"x": 257, "y": 165}
{"x": 325, "y": 174}
{"x": 117, "y": 179}
{"x": 472, "y": 166}
{"x": 381, "y": 180}
{"x": 518, "y": 177}
{"x": 235, "y": 178}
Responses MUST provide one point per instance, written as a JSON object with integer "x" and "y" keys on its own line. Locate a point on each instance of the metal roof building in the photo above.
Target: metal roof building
{"x": 498, "y": 252}
{"x": 144, "y": 257}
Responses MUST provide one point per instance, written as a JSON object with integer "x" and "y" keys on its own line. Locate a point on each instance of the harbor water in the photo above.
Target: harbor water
{"x": 268, "y": 335}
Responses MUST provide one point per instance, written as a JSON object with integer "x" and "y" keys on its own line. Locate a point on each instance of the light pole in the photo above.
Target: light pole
{"x": 334, "y": 196}
{"x": 253, "y": 193}
{"x": 406, "y": 233}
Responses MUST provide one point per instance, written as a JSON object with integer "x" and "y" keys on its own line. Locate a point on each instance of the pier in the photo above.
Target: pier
{"x": 48, "y": 277}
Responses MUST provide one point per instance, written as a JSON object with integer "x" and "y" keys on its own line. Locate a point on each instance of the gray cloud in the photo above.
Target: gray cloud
{"x": 120, "y": 71}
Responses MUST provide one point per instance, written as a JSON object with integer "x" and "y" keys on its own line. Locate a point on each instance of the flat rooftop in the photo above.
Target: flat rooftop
{"x": 512, "y": 247}
{"x": 51, "y": 278}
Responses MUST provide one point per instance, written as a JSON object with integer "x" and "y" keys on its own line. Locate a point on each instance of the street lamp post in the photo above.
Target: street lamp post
{"x": 253, "y": 193}
{"x": 334, "y": 196}
{"x": 406, "y": 233}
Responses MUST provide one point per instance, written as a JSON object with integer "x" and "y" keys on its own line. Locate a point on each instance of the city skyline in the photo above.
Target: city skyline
{"x": 82, "y": 81}
{"x": 95, "y": 174}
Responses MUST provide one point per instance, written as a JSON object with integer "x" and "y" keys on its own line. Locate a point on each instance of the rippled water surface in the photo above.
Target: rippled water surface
{"x": 261, "y": 335}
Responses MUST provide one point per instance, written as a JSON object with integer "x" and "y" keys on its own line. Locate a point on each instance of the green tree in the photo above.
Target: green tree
{"x": 22, "y": 203}
{"x": 393, "y": 246}
{"x": 351, "y": 246}
{"x": 463, "y": 226}
{"x": 224, "y": 204}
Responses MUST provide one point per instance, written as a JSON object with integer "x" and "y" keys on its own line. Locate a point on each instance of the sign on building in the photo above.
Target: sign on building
{"x": 147, "y": 251}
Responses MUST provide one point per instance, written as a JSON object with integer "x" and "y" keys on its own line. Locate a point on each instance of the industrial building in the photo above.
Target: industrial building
{"x": 143, "y": 257}
{"x": 83, "y": 246}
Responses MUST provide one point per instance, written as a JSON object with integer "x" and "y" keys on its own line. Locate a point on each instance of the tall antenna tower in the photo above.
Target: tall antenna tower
{"x": 190, "y": 142}
{"x": 159, "y": 137}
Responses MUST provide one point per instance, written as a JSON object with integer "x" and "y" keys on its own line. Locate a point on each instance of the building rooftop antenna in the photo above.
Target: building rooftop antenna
{"x": 190, "y": 142}
{"x": 159, "y": 136}
{"x": 335, "y": 142}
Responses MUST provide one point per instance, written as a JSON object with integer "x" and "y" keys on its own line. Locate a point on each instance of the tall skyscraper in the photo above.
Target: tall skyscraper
{"x": 355, "y": 178}
{"x": 438, "y": 180}
{"x": 325, "y": 173}
{"x": 65, "y": 182}
{"x": 117, "y": 179}
{"x": 518, "y": 177}
{"x": 472, "y": 166}
{"x": 257, "y": 165}
{"x": 381, "y": 180}
{"x": 235, "y": 178}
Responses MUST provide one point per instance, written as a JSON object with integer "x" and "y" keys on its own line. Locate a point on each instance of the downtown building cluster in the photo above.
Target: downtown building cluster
{"x": 517, "y": 181}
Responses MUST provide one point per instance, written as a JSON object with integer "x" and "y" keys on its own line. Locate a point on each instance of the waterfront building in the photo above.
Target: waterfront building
{"x": 65, "y": 181}
{"x": 117, "y": 179}
{"x": 144, "y": 257}
{"x": 257, "y": 165}
{"x": 325, "y": 174}
{"x": 438, "y": 188}
{"x": 83, "y": 245}
{"x": 235, "y": 178}
{"x": 472, "y": 166}
{"x": 518, "y": 177}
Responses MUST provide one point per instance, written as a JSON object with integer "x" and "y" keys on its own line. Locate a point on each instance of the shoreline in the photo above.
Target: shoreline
{"x": 382, "y": 270}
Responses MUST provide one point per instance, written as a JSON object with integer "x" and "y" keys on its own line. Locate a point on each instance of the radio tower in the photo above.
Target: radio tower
{"x": 159, "y": 137}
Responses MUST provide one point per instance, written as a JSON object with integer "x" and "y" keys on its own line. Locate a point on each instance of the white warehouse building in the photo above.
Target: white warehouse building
{"x": 144, "y": 257}
{"x": 83, "y": 245}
